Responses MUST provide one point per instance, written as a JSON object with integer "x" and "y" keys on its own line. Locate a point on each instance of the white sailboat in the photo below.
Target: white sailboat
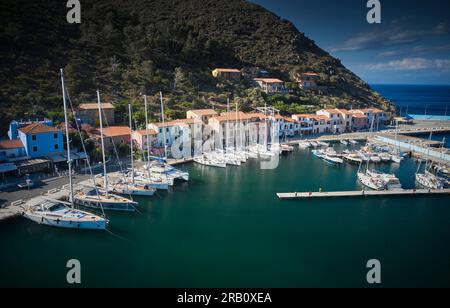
{"x": 304, "y": 145}
{"x": 210, "y": 162}
{"x": 124, "y": 185}
{"x": 367, "y": 180}
{"x": 57, "y": 213}
{"x": 428, "y": 179}
{"x": 396, "y": 156}
{"x": 344, "y": 142}
{"x": 92, "y": 197}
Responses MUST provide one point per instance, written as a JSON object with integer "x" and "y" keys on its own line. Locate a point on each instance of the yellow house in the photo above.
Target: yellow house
{"x": 227, "y": 73}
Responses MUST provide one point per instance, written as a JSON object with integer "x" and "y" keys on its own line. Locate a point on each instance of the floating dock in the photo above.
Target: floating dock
{"x": 370, "y": 193}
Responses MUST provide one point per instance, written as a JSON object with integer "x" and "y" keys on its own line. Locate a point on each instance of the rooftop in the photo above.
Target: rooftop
{"x": 143, "y": 132}
{"x": 310, "y": 74}
{"x": 36, "y": 128}
{"x": 115, "y": 131}
{"x": 228, "y": 70}
{"x": 203, "y": 112}
{"x": 11, "y": 144}
{"x": 269, "y": 80}
{"x": 174, "y": 122}
{"x": 94, "y": 106}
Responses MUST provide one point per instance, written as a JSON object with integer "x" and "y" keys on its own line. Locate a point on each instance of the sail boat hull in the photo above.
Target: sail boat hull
{"x": 66, "y": 218}
{"x": 94, "y": 203}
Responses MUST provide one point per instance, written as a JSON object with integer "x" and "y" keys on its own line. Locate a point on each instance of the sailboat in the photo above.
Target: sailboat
{"x": 396, "y": 156}
{"x": 93, "y": 197}
{"x": 122, "y": 184}
{"x": 368, "y": 180}
{"x": 428, "y": 179}
{"x": 61, "y": 214}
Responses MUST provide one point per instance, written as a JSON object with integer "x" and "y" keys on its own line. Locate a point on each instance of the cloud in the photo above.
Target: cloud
{"x": 418, "y": 50}
{"x": 395, "y": 34}
{"x": 411, "y": 64}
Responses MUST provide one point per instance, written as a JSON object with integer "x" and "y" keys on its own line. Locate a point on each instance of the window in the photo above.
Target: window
{"x": 55, "y": 136}
{"x": 56, "y": 147}
{"x": 35, "y": 149}
{"x": 160, "y": 130}
{"x": 33, "y": 137}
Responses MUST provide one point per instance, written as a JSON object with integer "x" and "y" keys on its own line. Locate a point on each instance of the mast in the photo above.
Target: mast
{"x": 105, "y": 174}
{"x": 236, "y": 139}
{"x": 131, "y": 145}
{"x": 164, "y": 128}
{"x": 146, "y": 131}
{"x": 228, "y": 126}
{"x": 69, "y": 160}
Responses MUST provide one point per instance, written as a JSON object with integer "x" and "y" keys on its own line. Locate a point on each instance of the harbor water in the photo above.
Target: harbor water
{"x": 226, "y": 228}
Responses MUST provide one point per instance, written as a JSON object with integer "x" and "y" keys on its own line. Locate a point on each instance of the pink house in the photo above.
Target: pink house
{"x": 140, "y": 138}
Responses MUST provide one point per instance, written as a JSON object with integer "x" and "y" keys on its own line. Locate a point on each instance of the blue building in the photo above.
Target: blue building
{"x": 41, "y": 140}
{"x": 14, "y": 127}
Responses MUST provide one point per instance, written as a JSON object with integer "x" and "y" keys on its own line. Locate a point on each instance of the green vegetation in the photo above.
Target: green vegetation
{"x": 127, "y": 48}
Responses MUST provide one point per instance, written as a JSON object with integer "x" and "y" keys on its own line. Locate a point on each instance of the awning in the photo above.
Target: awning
{"x": 8, "y": 167}
{"x": 57, "y": 158}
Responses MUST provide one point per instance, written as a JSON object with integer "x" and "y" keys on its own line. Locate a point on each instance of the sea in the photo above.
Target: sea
{"x": 227, "y": 228}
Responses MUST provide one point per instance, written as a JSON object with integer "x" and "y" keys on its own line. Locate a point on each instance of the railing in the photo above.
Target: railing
{"x": 415, "y": 148}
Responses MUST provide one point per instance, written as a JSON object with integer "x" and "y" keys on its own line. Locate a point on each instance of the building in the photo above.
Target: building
{"x": 313, "y": 123}
{"x": 140, "y": 139}
{"x": 88, "y": 114}
{"x": 340, "y": 119}
{"x": 359, "y": 120}
{"x": 270, "y": 85}
{"x": 41, "y": 140}
{"x": 201, "y": 114}
{"x": 174, "y": 130}
{"x": 376, "y": 116}
{"x": 115, "y": 135}
{"x": 14, "y": 126}
{"x": 11, "y": 150}
{"x": 308, "y": 81}
{"x": 227, "y": 74}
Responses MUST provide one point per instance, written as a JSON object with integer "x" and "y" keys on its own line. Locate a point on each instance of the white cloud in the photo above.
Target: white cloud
{"x": 411, "y": 64}
{"x": 395, "y": 34}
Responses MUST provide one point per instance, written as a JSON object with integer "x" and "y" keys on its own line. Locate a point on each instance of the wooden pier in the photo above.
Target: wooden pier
{"x": 370, "y": 193}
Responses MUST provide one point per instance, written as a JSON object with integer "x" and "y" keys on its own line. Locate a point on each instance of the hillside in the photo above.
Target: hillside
{"x": 125, "y": 48}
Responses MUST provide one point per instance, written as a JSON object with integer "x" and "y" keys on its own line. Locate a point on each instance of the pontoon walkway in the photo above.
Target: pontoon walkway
{"x": 371, "y": 193}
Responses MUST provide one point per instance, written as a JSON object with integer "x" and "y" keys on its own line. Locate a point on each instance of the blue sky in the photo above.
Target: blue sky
{"x": 410, "y": 46}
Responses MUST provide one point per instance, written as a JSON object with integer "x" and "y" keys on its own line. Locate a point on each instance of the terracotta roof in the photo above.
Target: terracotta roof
{"x": 115, "y": 131}
{"x": 312, "y": 116}
{"x": 290, "y": 120}
{"x": 94, "y": 106}
{"x": 174, "y": 122}
{"x": 357, "y": 115}
{"x": 374, "y": 110}
{"x": 203, "y": 112}
{"x": 228, "y": 70}
{"x": 231, "y": 113}
{"x": 143, "y": 132}
{"x": 344, "y": 111}
{"x": 11, "y": 144}
{"x": 241, "y": 116}
{"x": 37, "y": 128}
{"x": 309, "y": 74}
{"x": 320, "y": 117}
{"x": 269, "y": 80}
{"x": 332, "y": 111}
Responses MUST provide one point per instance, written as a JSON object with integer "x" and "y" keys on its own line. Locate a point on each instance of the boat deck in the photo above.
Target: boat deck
{"x": 370, "y": 193}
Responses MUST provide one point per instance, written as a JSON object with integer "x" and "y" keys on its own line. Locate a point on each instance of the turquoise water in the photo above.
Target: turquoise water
{"x": 226, "y": 228}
